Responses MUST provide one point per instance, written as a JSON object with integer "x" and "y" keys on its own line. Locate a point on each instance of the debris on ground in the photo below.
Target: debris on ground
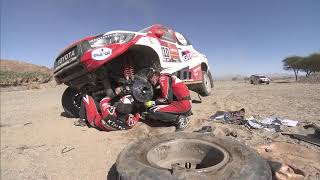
{"x": 254, "y": 122}
{"x": 291, "y": 161}
{"x": 204, "y": 129}
{"x": 270, "y": 123}
{"x": 285, "y": 172}
{"x": 234, "y": 117}
{"x": 310, "y": 134}
{"x": 67, "y": 149}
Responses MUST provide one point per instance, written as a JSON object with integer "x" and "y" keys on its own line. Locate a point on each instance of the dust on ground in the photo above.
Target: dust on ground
{"x": 38, "y": 142}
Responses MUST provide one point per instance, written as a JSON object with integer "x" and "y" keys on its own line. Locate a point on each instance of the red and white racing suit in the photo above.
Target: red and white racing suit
{"x": 106, "y": 117}
{"x": 174, "y": 100}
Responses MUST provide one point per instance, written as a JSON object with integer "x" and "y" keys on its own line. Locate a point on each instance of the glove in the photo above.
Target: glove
{"x": 149, "y": 104}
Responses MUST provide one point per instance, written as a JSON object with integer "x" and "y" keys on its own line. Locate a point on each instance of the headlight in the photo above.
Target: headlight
{"x": 103, "y": 40}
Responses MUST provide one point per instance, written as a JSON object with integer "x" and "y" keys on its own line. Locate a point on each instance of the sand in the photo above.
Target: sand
{"x": 37, "y": 142}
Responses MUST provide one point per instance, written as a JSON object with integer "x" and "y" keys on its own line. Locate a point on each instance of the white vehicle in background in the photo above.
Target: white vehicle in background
{"x": 259, "y": 79}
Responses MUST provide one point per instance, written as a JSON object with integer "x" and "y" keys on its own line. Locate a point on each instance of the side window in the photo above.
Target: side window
{"x": 168, "y": 35}
{"x": 182, "y": 40}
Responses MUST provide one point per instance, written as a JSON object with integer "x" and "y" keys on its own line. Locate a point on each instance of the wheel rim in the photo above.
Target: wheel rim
{"x": 207, "y": 82}
{"x": 77, "y": 100}
{"x": 191, "y": 154}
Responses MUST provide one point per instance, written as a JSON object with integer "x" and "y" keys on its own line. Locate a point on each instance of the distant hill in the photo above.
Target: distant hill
{"x": 20, "y": 66}
{"x": 16, "y": 73}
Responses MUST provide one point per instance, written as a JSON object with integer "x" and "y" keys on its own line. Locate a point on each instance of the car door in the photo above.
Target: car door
{"x": 190, "y": 58}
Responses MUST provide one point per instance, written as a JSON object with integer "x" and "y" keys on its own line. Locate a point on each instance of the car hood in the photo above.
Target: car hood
{"x": 264, "y": 79}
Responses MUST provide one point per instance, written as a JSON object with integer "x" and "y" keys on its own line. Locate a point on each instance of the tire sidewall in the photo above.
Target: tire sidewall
{"x": 244, "y": 163}
{"x": 206, "y": 81}
{"x": 68, "y": 104}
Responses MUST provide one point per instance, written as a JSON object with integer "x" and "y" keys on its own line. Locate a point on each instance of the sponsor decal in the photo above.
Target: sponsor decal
{"x": 101, "y": 53}
{"x": 114, "y": 125}
{"x": 170, "y": 52}
{"x": 181, "y": 39}
{"x": 66, "y": 57}
{"x": 186, "y": 55}
{"x": 174, "y": 52}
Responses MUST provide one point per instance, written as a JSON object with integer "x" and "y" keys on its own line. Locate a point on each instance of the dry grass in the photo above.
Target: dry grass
{"x": 17, "y": 73}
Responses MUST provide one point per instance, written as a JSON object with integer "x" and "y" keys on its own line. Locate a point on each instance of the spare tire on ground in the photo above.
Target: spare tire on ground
{"x": 190, "y": 156}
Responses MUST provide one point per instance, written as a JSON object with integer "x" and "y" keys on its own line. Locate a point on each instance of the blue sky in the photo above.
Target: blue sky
{"x": 238, "y": 36}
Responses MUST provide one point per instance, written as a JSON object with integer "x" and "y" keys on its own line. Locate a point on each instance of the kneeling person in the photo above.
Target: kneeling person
{"x": 174, "y": 103}
{"x": 107, "y": 117}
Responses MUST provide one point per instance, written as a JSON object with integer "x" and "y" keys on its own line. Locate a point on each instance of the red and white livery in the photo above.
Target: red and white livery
{"x": 85, "y": 64}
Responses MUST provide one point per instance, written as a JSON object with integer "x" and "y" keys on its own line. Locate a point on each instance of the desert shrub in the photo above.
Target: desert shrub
{"x": 19, "y": 78}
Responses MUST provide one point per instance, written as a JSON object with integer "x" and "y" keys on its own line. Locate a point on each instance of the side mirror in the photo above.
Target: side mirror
{"x": 158, "y": 32}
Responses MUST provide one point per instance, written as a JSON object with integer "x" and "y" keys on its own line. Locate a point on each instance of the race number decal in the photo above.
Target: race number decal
{"x": 165, "y": 53}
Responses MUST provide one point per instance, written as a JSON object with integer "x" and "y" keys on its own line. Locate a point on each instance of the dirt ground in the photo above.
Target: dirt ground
{"x": 38, "y": 142}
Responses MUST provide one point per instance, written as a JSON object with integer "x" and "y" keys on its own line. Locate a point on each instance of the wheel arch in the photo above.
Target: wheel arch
{"x": 146, "y": 54}
{"x": 204, "y": 66}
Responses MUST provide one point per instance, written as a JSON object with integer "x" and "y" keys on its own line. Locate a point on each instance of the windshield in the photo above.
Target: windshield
{"x": 100, "y": 41}
{"x": 145, "y": 30}
{"x": 262, "y": 77}
{"x": 103, "y": 40}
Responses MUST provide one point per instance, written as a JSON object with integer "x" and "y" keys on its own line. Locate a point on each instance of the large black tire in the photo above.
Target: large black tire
{"x": 190, "y": 156}
{"x": 71, "y": 101}
{"x": 205, "y": 88}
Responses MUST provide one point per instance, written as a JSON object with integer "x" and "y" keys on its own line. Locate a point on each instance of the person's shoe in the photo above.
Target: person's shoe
{"x": 80, "y": 122}
{"x": 143, "y": 115}
{"x": 182, "y": 123}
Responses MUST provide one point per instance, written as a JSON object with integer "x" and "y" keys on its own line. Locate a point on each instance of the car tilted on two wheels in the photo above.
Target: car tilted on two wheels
{"x": 85, "y": 65}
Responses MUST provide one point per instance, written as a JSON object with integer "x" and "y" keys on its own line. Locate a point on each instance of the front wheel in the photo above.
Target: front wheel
{"x": 71, "y": 102}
